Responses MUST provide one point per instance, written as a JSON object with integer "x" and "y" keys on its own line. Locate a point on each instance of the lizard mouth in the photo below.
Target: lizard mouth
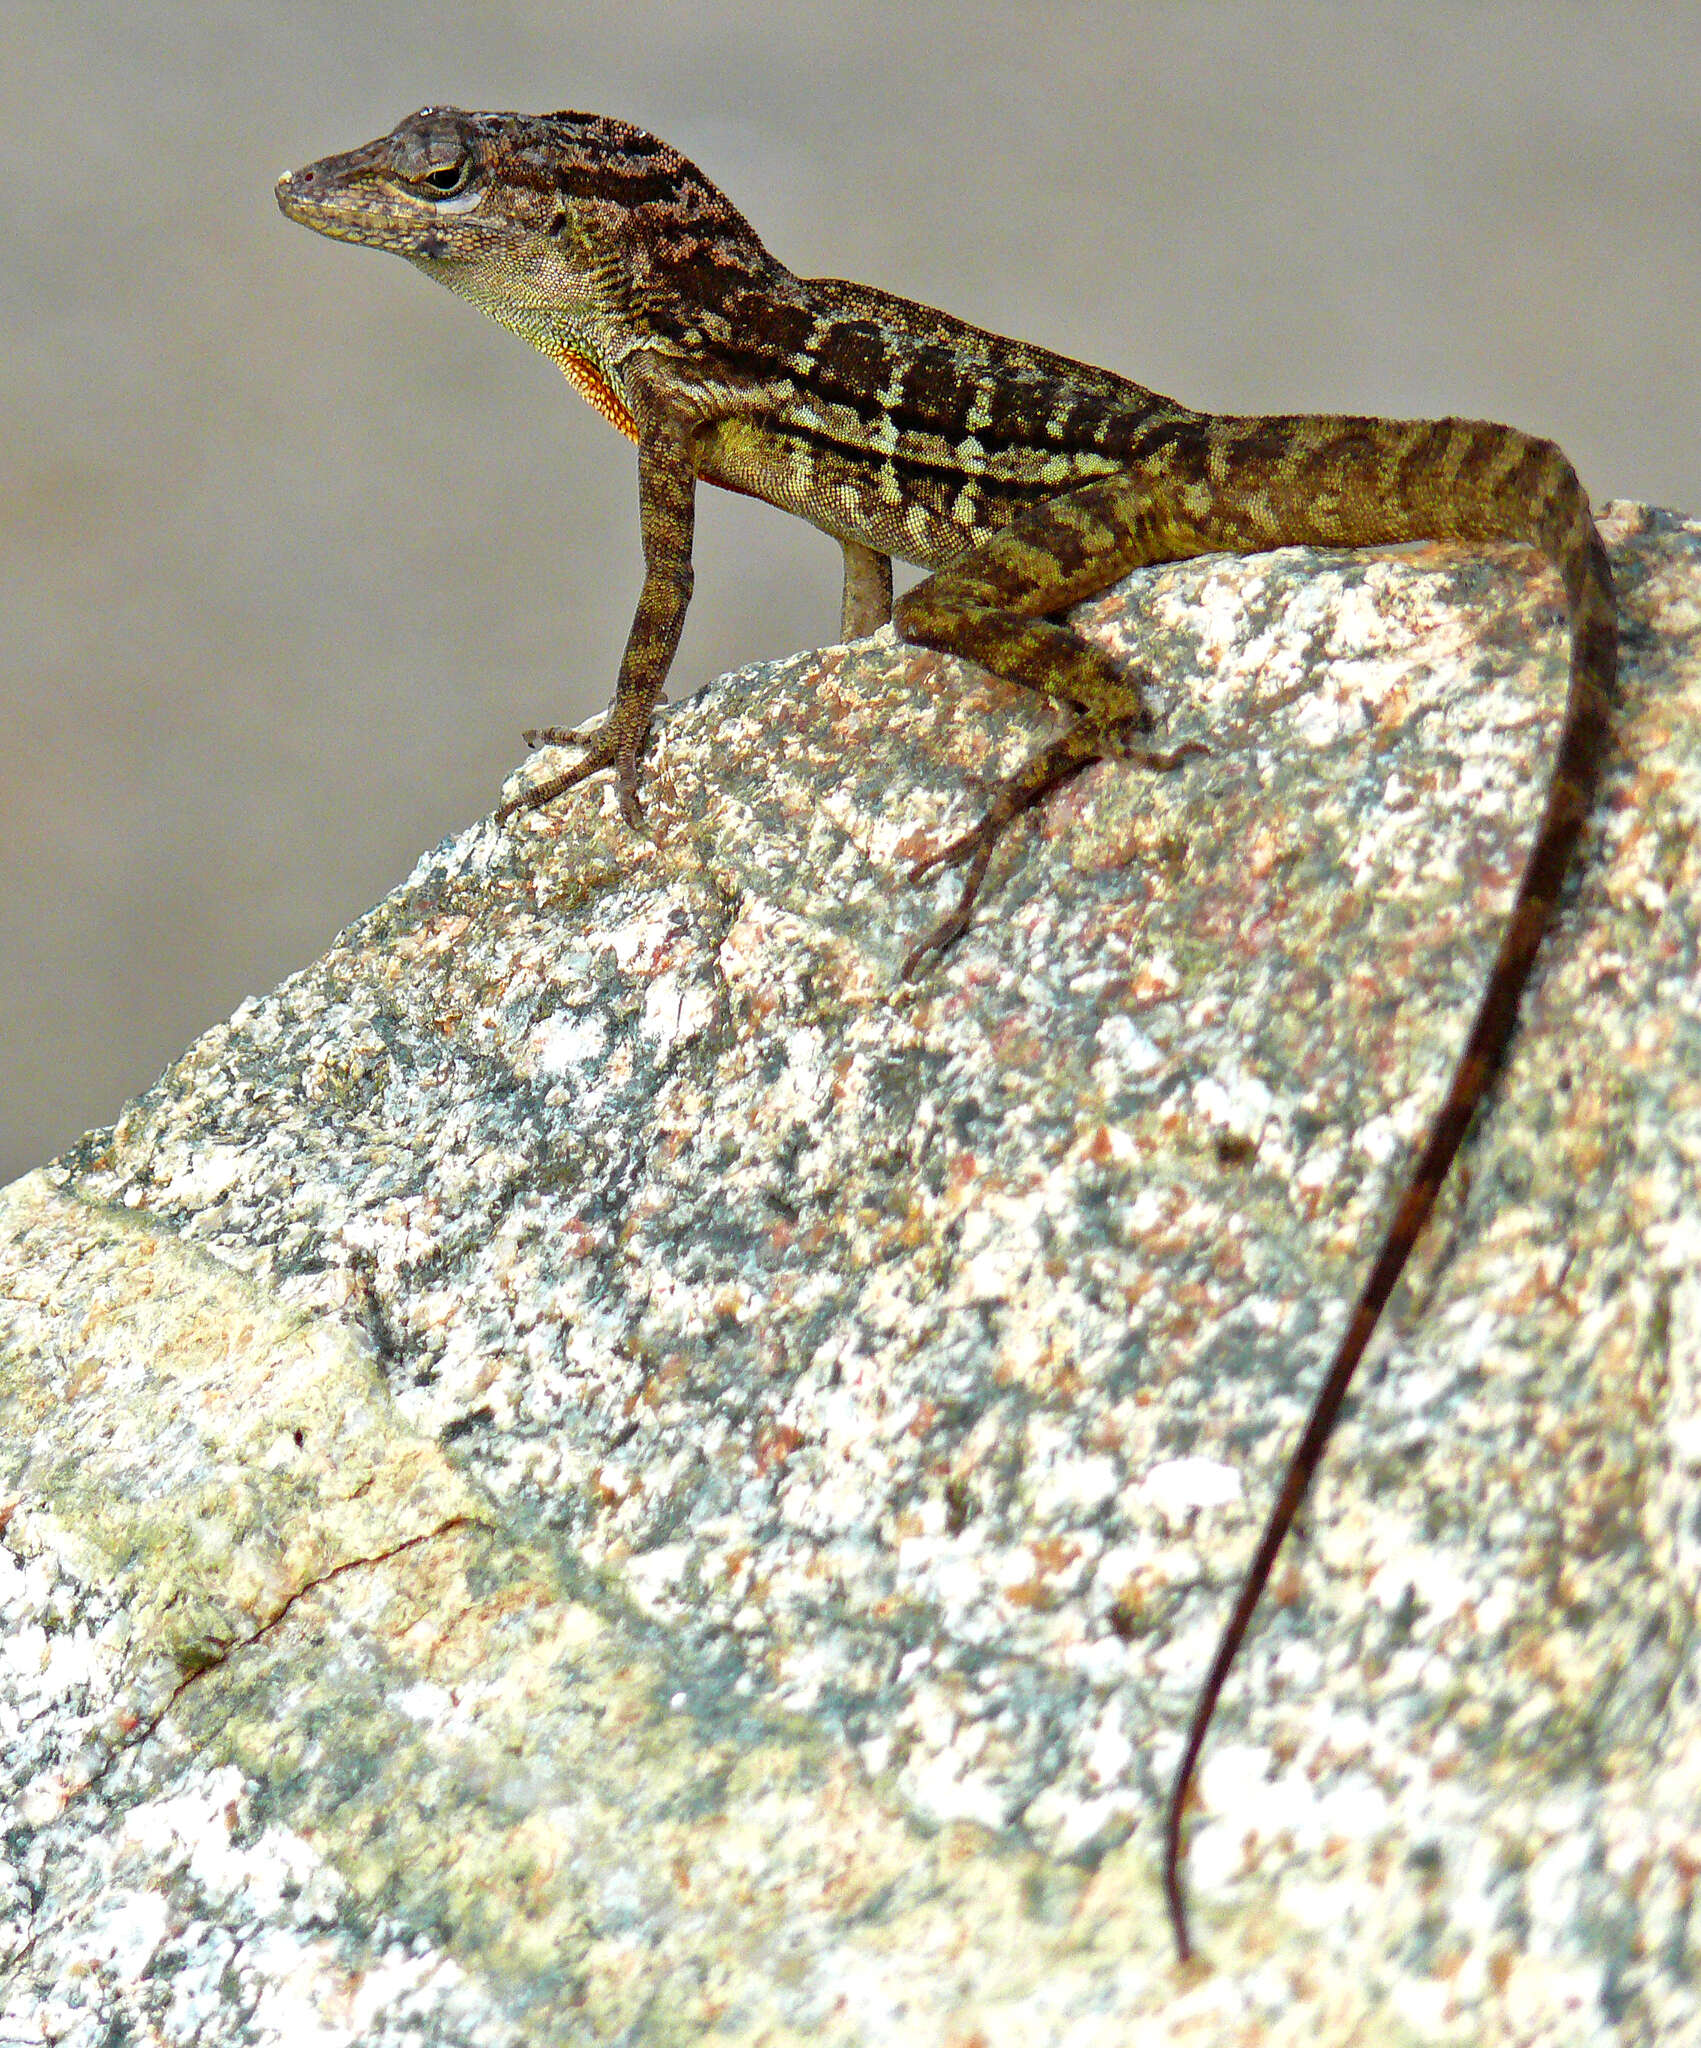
{"x": 309, "y": 197}
{"x": 335, "y": 205}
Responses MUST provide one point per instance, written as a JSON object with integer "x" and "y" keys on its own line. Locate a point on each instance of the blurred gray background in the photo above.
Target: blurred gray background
{"x": 292, "y": 545}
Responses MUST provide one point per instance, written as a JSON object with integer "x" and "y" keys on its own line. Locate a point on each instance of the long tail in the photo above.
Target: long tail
{"x": 1445, "y": 479}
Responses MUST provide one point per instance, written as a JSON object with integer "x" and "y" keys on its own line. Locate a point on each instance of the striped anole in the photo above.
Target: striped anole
{"x": 1022, "y": 480}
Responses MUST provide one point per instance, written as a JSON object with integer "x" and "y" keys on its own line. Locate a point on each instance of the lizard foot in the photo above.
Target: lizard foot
{"x": 606, "y": 749}
{"x": 972, "y": 849}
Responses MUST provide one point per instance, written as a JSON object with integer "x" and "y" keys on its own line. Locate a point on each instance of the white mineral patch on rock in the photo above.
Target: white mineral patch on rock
{"x": 1178, "y": 1486}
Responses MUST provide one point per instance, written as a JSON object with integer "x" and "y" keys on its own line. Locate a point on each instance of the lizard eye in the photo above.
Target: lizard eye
{"x": 448, "y": 177}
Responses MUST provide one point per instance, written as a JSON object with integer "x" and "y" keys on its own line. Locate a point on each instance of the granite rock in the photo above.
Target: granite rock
{"x": 597, "y": 1467}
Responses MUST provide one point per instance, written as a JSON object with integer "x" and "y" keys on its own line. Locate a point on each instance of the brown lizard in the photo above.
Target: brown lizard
{"x": 1023, "y": 480}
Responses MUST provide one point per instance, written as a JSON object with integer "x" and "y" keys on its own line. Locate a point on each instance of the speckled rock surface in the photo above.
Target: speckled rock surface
{"x": 595, "y": 1468}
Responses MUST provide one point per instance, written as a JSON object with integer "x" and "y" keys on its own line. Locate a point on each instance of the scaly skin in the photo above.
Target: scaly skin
{"x": 1023, "y": 480}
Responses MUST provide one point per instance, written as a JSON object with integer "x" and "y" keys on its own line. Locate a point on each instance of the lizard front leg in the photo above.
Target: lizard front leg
{"x": 867, "y": 602}
{"x": 667, "y": 498}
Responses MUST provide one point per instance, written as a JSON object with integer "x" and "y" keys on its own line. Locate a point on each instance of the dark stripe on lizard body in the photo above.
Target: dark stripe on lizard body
{"x": 1024, "y": 480}
{"x": 1065, "y": 439}
{"x": 821, "y": 477}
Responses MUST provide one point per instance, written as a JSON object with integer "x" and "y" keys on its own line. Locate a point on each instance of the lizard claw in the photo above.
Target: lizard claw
{"x": 959, "y": 850}
{"x": 603, "y": 750}
{"x": 972, "y": 849}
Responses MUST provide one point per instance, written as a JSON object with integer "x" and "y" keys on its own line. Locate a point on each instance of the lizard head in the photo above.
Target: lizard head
{"x": 580, "y": 232}
{"x": 449, "y": 191}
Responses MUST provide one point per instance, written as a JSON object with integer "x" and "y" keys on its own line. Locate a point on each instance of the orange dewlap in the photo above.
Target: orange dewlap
{"x": 595, "y": 389}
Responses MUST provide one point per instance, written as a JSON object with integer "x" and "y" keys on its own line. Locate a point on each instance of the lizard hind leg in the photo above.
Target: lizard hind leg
{"x": 988, "y": 607}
